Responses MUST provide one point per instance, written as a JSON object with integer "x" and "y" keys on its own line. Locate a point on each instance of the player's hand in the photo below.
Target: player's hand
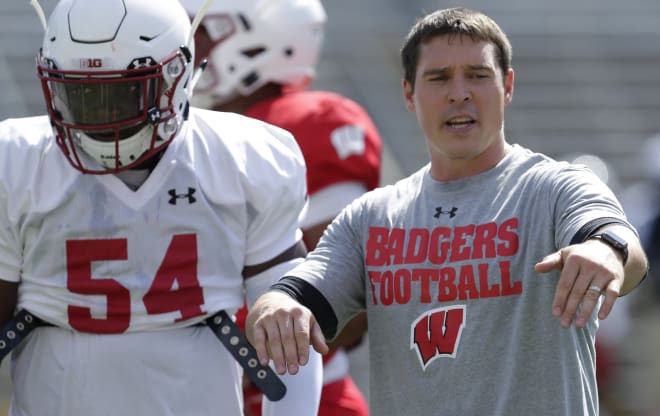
{"x": 281, "y": 329}
{"x": 587, "y": 271}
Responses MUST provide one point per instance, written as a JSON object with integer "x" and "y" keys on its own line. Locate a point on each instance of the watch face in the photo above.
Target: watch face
{"x": 616, "y": 242}
{"x": 614, "y": 239}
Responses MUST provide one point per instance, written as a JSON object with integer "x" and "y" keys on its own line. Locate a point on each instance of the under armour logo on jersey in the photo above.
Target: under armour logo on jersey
{"x": 189, "y": 196}
{"x": 451, "y": 212}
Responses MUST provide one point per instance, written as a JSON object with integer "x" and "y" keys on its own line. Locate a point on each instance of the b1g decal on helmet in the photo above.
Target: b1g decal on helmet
{"x": 437, "y": 333}
{"x": 91, "y": 63}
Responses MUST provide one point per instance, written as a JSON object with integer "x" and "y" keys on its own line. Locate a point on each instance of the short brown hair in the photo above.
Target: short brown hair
{"x": 454, "y": 22}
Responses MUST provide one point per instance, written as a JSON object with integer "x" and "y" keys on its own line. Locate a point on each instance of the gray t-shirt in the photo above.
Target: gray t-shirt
{"x": 459, "y": 321}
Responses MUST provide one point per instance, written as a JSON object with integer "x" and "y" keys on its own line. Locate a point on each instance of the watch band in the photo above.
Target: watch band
{"x": 614, "y": 241}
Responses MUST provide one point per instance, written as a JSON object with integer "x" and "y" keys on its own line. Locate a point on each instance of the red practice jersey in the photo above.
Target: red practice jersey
{"x": 336, "y": 135}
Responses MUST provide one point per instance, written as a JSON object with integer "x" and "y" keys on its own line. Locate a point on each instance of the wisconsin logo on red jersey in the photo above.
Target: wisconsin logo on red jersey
{"x": 437, "y": 333}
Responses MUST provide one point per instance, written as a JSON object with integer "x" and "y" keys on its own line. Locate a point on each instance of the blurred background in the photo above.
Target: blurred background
{"x": 587, "y": 90}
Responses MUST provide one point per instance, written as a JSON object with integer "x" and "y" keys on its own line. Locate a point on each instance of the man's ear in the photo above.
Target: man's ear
{"x": 408, "y": 92}
{"x": 508, "y": 87}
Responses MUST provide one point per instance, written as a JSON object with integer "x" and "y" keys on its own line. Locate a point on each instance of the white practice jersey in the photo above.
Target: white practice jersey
{"x": 95, "y": 256}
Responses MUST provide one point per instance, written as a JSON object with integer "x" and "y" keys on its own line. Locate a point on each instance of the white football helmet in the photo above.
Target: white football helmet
{"x": 115, "y": 75}
{"x": 249, "y": 43}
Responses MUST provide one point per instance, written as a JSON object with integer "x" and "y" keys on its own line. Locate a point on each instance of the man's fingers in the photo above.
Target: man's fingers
{"x": 611, "y": 292}
{"x": 279, "y": 329}
{"x": 583, "y": 279}
{"x": 301, "y": 338}
{"x": 258, "y": 341}
{"x": 279, "y": 342}
{"x": 318, "y": 339}
{"x": 567, "y": 299}
{"x": 590, "y": 299}
{"x": 277, "y": 353}
{"x": 293, "y": 339}
{"x": 549, "y": 263}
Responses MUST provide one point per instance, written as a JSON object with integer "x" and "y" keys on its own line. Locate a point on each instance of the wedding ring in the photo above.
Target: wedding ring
{"x": 595, "y": 288}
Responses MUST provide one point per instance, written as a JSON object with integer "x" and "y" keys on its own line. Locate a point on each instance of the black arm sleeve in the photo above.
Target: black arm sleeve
{"x": 310, "y": 297}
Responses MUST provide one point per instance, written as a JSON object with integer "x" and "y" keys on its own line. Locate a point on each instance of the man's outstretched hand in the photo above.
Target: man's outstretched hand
{"x": 281, "y": 329}
{"x": 587, "y": 271}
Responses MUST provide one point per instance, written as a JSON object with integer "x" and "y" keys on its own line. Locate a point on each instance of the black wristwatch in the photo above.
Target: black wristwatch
{"x": 614, "y": 241}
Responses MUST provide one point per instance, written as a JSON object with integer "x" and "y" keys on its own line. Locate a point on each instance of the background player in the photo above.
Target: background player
{"x": 261, "y": 56}
{"x": 128, "y": 218}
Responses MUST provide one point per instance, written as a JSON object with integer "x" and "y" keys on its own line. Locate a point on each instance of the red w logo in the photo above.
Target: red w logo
{"x": 437, "y": 333}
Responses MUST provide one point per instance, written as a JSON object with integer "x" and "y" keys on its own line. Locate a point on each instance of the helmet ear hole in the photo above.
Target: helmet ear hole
{"x": 250, "y": 80}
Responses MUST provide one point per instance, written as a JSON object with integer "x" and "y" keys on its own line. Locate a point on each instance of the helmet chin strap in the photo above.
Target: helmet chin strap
{"x": 191, "y": 43}
{"x": 196, "y": 21}
{"x": 40, "y": 13}
{"x": 197, "y": 75}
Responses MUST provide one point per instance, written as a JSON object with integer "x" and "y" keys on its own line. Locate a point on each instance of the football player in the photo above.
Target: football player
{"x": 128, "y": 219}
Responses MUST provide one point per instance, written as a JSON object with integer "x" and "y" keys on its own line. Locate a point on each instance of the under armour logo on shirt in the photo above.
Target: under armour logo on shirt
{"x": 189, "y": 196}
{"x": 451, "y": 212}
